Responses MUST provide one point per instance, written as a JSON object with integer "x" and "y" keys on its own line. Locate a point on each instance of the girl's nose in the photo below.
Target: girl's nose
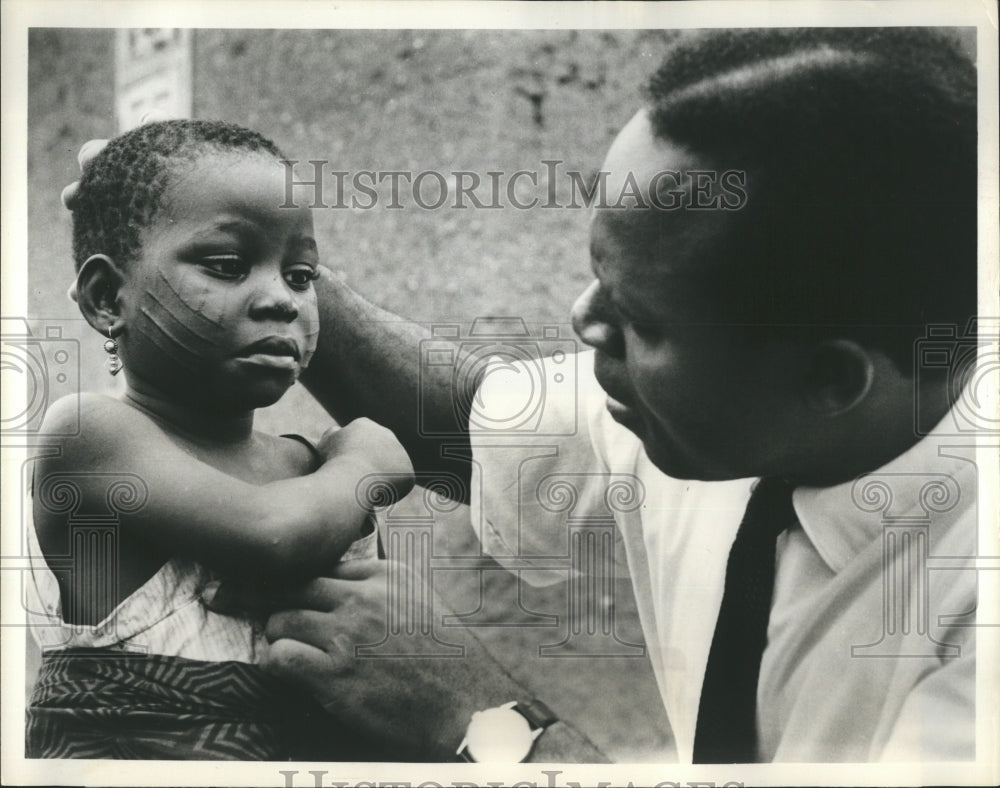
{"x": 273, "y": 300}
{"x": 592, "y": 322}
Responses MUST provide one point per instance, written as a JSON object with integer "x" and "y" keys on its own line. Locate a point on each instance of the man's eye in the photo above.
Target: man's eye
{"x": 645, "y": 330}
{"x": 227, "y": 266}
{"x": 301, "y": 277}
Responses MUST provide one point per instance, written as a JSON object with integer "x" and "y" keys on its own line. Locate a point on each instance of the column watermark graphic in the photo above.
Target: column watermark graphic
{"x": 588, "y": 563}
{"x": 89, "y": 570}
{"x": 915, "y": 509}
{"x": 906, "y": 559}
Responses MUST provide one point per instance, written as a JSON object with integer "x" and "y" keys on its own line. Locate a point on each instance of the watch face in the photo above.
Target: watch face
{"x": 500, "y": 735}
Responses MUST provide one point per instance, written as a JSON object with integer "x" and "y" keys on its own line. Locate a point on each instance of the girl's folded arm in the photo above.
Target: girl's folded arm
{"x": 190, "y": 508}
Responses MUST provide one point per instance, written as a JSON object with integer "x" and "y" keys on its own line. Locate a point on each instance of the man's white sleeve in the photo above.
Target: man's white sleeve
{"x": 534, "y": 479}
{"x": 938, "y": 720}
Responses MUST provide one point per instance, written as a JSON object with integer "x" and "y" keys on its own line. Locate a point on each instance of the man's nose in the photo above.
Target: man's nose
{"x": 592, "y": 323}
{"x": 272, "y": 299}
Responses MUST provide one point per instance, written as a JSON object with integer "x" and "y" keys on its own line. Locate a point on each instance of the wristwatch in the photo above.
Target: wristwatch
{"x": 505, "y": 734}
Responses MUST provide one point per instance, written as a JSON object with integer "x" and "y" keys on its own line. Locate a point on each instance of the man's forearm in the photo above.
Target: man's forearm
{"x": 412, "y": 705}
{"x": 442, "y": 693}
{"x": 368, "y": 363}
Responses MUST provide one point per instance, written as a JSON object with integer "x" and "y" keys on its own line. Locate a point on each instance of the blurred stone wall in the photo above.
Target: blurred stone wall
{"x": 379, "y": 100}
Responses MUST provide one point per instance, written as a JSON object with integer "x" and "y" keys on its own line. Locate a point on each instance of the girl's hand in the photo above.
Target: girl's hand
{"x": 372, "y": 446}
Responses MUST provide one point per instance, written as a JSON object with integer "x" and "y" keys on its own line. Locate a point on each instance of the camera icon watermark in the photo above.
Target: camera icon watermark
{"x": 45, "y": 366}
{"x": 531, "y": 371}
{"x": 969, "y": 358}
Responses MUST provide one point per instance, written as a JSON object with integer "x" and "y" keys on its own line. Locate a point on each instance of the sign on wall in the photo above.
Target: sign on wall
{"x": 152, "y": 72}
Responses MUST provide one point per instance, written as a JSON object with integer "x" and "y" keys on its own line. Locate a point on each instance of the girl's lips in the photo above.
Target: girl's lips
{"x": 272, "y": 346}
{"x": 271, "y": 360}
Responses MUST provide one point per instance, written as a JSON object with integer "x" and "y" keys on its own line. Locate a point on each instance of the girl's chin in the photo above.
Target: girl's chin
{"x": 236, "y": 400}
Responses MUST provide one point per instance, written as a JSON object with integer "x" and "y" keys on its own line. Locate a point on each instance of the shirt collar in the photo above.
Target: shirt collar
{"x": 922, "y": 482}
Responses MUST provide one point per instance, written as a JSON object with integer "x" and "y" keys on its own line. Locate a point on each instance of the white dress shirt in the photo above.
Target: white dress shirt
{"x": 871, "y": 648}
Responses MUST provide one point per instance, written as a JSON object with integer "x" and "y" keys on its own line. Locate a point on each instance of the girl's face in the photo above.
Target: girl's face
{"x": 220, "y": 310}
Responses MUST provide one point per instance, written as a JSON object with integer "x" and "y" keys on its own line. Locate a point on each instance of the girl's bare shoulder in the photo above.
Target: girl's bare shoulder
{"x": 89, "y": 424}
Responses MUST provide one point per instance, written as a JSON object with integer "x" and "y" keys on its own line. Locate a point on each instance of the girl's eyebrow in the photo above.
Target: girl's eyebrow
{"x": 235, "y": 226}
{"x": 242, "y": 227}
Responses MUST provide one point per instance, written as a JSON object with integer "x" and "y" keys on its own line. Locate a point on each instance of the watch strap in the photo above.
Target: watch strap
{"x": 538, "y": 715}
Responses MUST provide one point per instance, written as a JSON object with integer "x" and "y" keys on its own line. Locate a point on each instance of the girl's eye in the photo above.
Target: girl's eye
{"x": 301, "y": 277}
{"x": 226, "y": 266}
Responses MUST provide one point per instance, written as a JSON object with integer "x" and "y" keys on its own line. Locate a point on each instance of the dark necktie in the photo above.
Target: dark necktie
{"x": 727, "y": 714}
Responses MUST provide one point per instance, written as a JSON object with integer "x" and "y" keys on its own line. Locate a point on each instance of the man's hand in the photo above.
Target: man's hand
{"x": 90, "y": 149}
{"x": 410, "y": 703}
{"x": 87, "y": 152}
{"x": 415, "y": 706}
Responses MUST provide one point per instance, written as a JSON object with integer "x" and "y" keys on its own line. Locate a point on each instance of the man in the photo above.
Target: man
{"x": 772, "y": 338}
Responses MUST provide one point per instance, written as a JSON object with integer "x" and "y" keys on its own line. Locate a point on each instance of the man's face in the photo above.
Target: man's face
{"x": 707, "y": 400}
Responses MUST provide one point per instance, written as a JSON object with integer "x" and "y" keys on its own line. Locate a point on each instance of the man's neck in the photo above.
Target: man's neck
{"x": 883, "y": 431}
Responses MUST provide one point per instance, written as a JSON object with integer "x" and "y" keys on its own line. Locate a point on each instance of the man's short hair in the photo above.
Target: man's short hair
{"x": 859, "y": 147}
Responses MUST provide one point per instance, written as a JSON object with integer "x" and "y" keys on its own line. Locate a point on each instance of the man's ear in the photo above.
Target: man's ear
{"x": 98, "y": 291}
{"x": 839, "y": 375}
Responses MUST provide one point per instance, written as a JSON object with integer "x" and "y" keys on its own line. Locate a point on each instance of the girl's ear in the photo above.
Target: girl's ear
{"x": 98, "y": 288}
{"x": 839, "y": 376}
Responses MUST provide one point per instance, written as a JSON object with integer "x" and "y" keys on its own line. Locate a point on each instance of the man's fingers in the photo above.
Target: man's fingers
{"x": 358, "y": 570}
{"x": 321, "y": 593}
{"x": 89, "y": 150}
{"x": 68, "y": 195}
{"x": 298, "y": 663}
{"x": 234, "y": 598}
{"x": 310, "y": 627}
{"x": 153, "y": 116}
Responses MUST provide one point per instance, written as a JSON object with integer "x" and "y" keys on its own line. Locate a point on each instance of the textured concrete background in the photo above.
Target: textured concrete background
{"x": 397, "y": 100}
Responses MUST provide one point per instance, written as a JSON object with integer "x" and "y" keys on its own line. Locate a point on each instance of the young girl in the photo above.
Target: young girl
{"x": 200, "y": 281}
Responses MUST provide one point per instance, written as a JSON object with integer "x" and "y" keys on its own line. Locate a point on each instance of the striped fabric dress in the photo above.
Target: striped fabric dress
{"x": 162, "y": 677}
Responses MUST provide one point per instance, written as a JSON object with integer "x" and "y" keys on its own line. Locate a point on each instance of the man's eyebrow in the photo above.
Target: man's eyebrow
{"x": 306, "y": 241}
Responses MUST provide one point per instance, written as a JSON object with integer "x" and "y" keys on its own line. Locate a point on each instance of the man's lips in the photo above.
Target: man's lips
{"x": 619, "y": 411}
{"x": 619, "y": 408}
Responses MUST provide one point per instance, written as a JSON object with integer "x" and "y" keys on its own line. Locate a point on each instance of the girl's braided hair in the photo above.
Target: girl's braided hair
{"x": 122, "y": 187}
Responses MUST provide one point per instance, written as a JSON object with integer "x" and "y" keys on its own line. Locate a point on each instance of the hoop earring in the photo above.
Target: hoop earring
{"x": 114, "y": 360}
